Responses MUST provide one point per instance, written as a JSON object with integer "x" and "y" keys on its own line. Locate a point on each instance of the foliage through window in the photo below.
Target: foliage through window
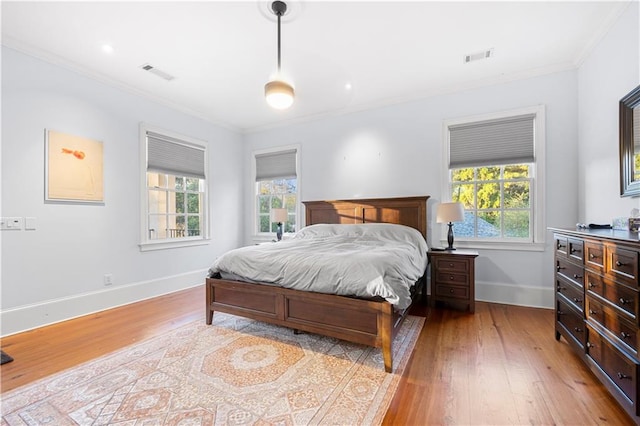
{"x": 175, "y": 206}
{"x": 496, "y": 199}
{"x": 276, "y": 194}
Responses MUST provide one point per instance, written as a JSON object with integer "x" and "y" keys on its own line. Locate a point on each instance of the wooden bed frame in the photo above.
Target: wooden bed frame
{"x": 372, "y": 322}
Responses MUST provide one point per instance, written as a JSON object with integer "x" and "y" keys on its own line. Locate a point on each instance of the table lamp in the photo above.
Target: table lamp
{"x": 279, "y": 216}
{"x": 448, "y": 213}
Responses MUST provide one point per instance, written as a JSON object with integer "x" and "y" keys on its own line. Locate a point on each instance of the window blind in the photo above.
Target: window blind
{"x": 174, "y": 156}
{"x": 492, "y": 142}
{"x": 276, "y": 165}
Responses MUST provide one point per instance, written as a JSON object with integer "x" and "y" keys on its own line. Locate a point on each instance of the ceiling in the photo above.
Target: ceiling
{"x": 340, "y": 56}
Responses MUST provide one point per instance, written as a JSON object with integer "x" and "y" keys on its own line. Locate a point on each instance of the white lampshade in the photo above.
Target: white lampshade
{"x": 279, "y": 94}
{"x": 450, "y": 212}
{"x": 279, "y": 215}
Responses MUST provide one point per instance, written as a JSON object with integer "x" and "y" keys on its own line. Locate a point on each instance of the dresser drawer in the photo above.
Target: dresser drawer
{"x": 453, "y": 265}
{"x": 576, "y": 249}
{"x": 571, "y": 322}
{"x": 623, "y": 264}
{"x": 562, "y": 245}
{"x": 622, "y": 370}
{"x": 572, "y": 292}
{"x": 621, "y": 296}
{"x": 624, "y": 331}
{"x": 594, "y": 255}
{"x": 570, "y": 271}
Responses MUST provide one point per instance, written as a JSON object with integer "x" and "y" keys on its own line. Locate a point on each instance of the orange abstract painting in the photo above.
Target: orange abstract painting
{"x": 74, "y": 168}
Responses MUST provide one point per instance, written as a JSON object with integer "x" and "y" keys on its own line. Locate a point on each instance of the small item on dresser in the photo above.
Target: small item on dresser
{"x": 597, "y": 226}
{"x": 634, "y": 224}
{"x": 620, "y": 223}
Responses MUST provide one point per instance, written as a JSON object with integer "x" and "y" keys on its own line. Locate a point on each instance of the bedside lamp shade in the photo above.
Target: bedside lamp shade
{"x": 448, "y": 213}
{"x": 279, "y": 216}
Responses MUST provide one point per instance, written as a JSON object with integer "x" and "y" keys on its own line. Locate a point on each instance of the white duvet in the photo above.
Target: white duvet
{"x": 364, "y": 260}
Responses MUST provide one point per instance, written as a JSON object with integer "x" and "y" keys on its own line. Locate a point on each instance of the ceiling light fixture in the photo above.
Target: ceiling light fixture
{"x": 279, "y": 94}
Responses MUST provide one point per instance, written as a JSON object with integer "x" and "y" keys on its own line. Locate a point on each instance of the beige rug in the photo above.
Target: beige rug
{"x": 235, "y": 372}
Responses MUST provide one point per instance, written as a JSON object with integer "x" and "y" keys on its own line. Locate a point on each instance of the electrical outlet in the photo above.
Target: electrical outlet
{"x": 14, "y": 223}
{"x": 108, "y": 279}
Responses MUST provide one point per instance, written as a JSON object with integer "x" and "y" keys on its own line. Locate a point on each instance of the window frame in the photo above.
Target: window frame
{"x": 147, "y": 244}
{"x": 268, "y": 236}
{"x": 537, "y": 175}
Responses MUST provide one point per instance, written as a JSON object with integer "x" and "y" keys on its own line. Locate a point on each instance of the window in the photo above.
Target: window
{"x": 276, "y": 186}
{"x": 174, "y": 191}
{"x": 495, "y": 168}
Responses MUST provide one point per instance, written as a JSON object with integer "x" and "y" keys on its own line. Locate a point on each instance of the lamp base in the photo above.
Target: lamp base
{"x": 279, "y": 231}
{"x": 450, "y": 238}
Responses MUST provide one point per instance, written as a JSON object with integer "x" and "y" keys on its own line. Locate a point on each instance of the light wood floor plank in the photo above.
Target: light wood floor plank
{"x": 501, "y": 366}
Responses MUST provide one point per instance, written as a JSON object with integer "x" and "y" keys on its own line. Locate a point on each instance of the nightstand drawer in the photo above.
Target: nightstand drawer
{"x": 448, "y": 264}
{"x": 453, "y": 291}
{"x": 449, "y": 277}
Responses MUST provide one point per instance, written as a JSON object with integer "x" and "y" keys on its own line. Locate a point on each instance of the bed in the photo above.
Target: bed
{"x": 371, "y": 321}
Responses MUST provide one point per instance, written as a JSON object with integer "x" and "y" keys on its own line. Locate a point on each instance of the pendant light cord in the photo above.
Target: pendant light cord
{"x": 279, "y": 15}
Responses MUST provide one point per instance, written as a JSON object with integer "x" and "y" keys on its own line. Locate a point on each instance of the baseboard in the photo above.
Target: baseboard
{"x": 534, "y": 297}
{"x": 28, "y": 317}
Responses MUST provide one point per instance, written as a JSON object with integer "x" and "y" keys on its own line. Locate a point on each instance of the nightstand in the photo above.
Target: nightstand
{"x": 453, "y": 278}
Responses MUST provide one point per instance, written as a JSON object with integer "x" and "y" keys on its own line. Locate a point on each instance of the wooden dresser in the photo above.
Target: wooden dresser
{"x": 596, "y": 303}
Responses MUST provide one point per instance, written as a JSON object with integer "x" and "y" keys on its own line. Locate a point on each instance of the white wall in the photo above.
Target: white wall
{"x": 609, "y": 73}
{"x": 397, "y": 151}
{"x": 56, "y": 272}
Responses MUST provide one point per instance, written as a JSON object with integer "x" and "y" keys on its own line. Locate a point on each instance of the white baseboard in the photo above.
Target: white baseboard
{"x": 28, "y": 317}
{"x": 535, "y": 297}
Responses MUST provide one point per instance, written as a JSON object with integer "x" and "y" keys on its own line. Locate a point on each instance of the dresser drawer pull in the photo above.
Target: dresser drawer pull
{"x": 593, "y": 256}
{"x": 576, "y": 300}
{"x": 618, "y": 263}
{"x": 560, "y": 313}
{"x": 560, "y": 288}
{"x": 624, "y": 335}
{"x": 451, "y": 290}
{"x": 578, "y": 330}
{"x": 592, "y": 312}
{"x": 624, "y": 301}
{"x": 560, "y": 268}
{"x": 623, "y": 376}
{"x": 592, "y": 285}
{"x": 590, "y": 345}
{"x": 451, "y": 278}
{"x": 451, "y": 265}
{"x": 576, "y": 276}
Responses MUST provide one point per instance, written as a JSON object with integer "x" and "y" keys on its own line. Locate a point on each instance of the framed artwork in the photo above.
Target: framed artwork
{"x": 73, "y": 169}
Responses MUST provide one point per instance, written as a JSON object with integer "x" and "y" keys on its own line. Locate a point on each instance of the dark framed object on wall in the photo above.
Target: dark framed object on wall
{"x": 630, "y": 144}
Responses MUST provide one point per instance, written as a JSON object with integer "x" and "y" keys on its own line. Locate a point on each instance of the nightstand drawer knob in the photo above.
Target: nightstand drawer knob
{"x": 451, "y": 290}
{"x": 451, "y": 277}
{"x": 623, "y": 376}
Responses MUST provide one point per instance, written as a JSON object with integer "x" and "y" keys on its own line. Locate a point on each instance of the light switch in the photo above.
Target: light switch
{"x": 11, "y": 223}
{"x": 29, "y": 223}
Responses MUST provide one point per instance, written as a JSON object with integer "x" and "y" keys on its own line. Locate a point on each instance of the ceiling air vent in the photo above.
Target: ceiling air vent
{"x": 485, "y": 54}
{"x": 156, "y": 71}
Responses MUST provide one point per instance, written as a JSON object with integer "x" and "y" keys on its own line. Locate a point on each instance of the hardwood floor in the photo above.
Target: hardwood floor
{"x": 500, "y": 366}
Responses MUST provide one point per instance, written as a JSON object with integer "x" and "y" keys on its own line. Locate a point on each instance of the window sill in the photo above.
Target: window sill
{"x": 502, "y": 245}
{"x": 164, "y": 245}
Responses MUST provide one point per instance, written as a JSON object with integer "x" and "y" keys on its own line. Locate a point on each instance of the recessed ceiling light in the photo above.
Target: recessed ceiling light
{"x": 107, "y": 48}
{"x": 348, "y": 86}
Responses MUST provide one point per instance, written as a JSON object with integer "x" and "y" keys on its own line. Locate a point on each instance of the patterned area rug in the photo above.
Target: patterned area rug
{"x": 235, "y": 372}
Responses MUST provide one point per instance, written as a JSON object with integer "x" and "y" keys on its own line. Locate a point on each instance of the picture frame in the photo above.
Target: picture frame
{"x": 74, "y": 170}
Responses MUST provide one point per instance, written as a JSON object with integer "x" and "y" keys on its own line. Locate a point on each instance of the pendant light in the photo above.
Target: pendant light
{"x": 279, "y": 94}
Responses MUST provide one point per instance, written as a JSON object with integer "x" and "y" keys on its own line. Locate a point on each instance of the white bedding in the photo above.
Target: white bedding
{"x": 364, "y": 260}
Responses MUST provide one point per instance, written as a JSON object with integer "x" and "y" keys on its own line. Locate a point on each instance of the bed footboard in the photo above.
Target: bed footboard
{"x": 368, "y": 322}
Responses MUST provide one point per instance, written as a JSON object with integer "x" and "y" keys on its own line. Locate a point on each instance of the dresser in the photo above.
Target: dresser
{"x": 596, "y": 305}
{"x": 453, "y": 278}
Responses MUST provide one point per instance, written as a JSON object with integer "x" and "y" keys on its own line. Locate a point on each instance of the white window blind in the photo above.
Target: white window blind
{"x": 276, "y": 165}
{"x": 492, "y": 142}
{"x": 174, "y": 156}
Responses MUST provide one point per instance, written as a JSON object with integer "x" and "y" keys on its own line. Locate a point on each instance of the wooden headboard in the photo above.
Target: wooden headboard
{"x": 409, "y": 211}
